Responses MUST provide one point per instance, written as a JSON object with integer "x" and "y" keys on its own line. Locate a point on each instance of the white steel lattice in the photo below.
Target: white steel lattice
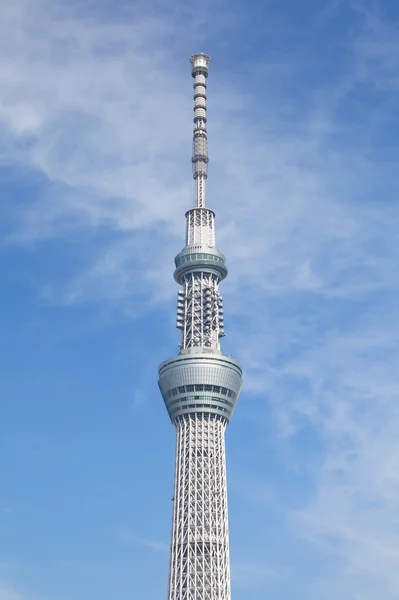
{"x": 200, "y": 229}
{"x": 199, "y": 563}
{"x": 200, "y": 387}
{"x": 200, "y": 305}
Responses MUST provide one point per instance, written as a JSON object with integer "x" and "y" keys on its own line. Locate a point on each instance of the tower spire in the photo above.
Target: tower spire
{"x": 200, "y": 230}
{"x": 199, "y": 71}
{"x": 200, "y": 387}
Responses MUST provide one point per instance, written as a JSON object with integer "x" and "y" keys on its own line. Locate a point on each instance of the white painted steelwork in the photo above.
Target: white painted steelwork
{"x": 200, "y": 228}
{"x": 199, "y": 71}
{"x": 200, "y": 388}
{"x": 199, "y": 562}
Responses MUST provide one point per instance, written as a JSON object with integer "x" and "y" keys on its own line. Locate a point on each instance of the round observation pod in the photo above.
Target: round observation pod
{"x": 194, "y": 259}
{"x": 200, "y": 382}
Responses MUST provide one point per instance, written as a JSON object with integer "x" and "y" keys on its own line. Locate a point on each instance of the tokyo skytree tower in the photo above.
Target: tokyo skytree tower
{"x": 200, "y": 387}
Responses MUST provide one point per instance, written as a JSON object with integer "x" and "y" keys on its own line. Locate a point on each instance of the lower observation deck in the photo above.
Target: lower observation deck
{"x": 200, "y": 382}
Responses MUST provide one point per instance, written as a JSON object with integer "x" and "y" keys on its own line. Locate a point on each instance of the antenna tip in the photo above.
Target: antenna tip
{"x": 199, "y": 64}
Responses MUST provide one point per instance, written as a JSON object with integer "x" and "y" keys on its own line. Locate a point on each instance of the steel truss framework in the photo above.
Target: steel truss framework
{"x": 199, "y": 567}
{"x": 200, "y": 230}
{"x": 200, "y": 387}
{"x": 201, "y": 308}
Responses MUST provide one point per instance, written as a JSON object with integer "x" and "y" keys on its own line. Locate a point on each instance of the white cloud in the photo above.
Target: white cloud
{"x": 344, "y": 384}
{"x": 102, "y": 109}
{"x": 8, "y": 589}
{"x": 250, "y": 576}
{"x": 9, "y": 592}
{"x": 156, "y": 545}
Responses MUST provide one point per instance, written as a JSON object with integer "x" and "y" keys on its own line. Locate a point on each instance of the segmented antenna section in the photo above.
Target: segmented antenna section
{"x": 199, "y": 71}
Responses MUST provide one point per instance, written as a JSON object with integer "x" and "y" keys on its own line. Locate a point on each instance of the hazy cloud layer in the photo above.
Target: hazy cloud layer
{"x": 304, "y": 184}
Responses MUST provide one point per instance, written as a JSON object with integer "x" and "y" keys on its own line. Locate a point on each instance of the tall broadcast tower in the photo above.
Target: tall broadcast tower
{"x": 200, "y": 387}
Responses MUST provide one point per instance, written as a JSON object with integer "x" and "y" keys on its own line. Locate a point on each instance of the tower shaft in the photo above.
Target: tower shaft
{"x": 200, "y": 387}
{"x": 199, "y": 565}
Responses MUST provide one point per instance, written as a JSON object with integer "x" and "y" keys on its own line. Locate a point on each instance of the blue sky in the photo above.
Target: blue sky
{"x": 95, "y": 148}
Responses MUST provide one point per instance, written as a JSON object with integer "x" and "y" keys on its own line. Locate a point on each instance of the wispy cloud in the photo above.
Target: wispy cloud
{"x": 250, "y": 576}
{"x": 110, "y": 131}
{"x": 127, "y": 536}
{"x": 155, "y": 545}
{"x": 307, "y": 194}
{"x": 9, "y": 594}
{"x": 9, "y": 591}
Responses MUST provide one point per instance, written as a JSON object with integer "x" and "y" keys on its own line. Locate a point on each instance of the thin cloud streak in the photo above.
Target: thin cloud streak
{"x": 306, "y": 220}
{"x": 157, "y": 545}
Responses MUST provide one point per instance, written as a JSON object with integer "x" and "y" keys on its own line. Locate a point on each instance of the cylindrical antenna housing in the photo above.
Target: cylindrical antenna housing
{"x": 199, "y": 71}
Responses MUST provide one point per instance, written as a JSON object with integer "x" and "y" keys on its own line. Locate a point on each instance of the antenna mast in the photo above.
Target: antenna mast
{"x": 199, "y": 71}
